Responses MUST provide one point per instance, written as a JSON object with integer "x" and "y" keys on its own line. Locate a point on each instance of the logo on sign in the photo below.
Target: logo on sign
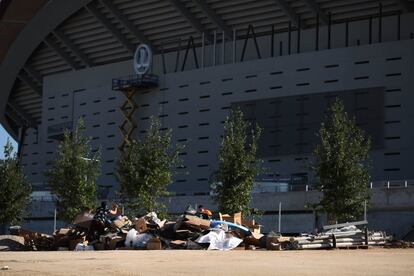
{"x": 142, "y": 59}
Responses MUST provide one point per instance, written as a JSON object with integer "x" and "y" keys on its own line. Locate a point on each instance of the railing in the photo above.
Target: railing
{"x": 278, "y": 188}
{"x": 142, "y": 81}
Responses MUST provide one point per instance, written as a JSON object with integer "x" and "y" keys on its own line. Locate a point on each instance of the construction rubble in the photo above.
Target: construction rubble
{"x": 188, "y": 231}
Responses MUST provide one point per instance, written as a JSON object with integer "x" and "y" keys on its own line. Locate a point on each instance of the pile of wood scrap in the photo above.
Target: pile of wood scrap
{"x": 33, "y": 240}
{"x": 188, "y": 231}
{"x": 12, "y": 243}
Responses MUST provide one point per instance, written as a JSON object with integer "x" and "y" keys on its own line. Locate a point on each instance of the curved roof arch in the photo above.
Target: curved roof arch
{"x": 70, "y": 35}
{"x": 45, "y": 21}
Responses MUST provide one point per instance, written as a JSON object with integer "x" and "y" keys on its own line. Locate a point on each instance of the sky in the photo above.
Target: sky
{"x": 3, "y": 139}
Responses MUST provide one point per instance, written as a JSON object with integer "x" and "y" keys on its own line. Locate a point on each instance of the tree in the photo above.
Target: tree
{"x": 341, "y": 166}
{"x": 72, "y": 177}
{"x": 15, "y": 189}
{"x": 238, "y": 165}
{"x": 145, "y": 170}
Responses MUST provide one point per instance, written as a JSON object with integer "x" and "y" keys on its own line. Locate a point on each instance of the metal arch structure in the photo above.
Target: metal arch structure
{"x": 64, "y": 24}
{"x": 316, "y": 9}
{"x": 111, "y": 28}
{"x": 124, "y": 20}
{"x": 215, "y": 18}
{"x": 289, "y": 12}
{"x": 405, "y": 5}
{"x": 43, "y": 23}
{"x": 69, "y": 44}
{"x": 66, "y": 57}
{"x": 190, "y": 17}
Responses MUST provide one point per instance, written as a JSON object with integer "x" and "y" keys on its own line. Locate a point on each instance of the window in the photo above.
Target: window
{"x": 361, "y": 62}
{"x": 226, "y": 93}
{"x": 250, "y": 90}
{"x": 226, "y": 79}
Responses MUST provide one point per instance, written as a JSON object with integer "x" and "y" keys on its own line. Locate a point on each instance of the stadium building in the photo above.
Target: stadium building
{"x": 281, "y": 61}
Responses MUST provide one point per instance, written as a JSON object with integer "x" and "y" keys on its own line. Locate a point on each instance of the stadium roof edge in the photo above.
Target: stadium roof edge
{"x": 43, "y": 22}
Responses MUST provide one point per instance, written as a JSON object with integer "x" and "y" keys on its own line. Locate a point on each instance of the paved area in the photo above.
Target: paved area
{"x": 185, "y": 262}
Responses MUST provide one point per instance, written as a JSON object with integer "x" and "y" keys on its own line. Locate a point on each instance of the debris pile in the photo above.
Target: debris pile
{"x": 345, "y": 237}
{"x": 148, "y": 232}
{"x": 190, "y": 231}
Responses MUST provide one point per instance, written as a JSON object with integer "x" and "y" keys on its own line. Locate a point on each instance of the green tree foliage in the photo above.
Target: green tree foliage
{"x": 238, "y": 165}
{"x": 145, "y": 170}
{"x": 341, "y": 169}
{"x": 72, "y": 177}
{"x": 15, "y": 189}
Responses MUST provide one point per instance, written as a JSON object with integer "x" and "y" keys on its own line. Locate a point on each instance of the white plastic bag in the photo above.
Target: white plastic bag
{"x": 136, "y": 240}
{"x": 219, "y": 240}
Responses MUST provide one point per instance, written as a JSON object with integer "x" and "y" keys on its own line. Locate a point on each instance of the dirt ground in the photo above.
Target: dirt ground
{"x": 185, "y": 262}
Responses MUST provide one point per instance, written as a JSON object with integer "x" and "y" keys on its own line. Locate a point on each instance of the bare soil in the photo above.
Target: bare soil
{"x": 237, "y": 262}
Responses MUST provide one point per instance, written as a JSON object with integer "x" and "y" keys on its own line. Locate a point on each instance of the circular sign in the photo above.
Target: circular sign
{"x": 142, "y": 59}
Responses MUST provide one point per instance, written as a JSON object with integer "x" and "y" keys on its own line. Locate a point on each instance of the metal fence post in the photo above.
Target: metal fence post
{"x": 54, "y": 221}
{"x": 365, "y": 210}
{"x": 280, "y": 217}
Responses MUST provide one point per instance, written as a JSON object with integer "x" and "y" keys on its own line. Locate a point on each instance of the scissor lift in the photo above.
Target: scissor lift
{"x": 129, "y": 86}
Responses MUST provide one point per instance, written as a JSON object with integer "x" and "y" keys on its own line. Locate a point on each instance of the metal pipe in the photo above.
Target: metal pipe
{"x": 223, "y": 56}
{"x": 329, "y": 29}
{"x": 223, "y": 49}
{"x": 272, "y": 42}
{"x": 234, "y": 45}
{"x": 214, "y": 48}
{"x": 399, "y": 26}
{"x": 370, "y": 30}
{"x": 289, "y": 37}
{"x": 298, "y": 39}
{"x": 280, "y": 48}
{"x": 380, "y": 23}
{"x": 202, "y": 50}
{"x": 347, "y": 33}
{"x": 317, "y": 33}
{"x": 177, "y": 57}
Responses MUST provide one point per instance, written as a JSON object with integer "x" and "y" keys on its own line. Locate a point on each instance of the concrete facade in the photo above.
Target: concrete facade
{"x": 195, "y": 102}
